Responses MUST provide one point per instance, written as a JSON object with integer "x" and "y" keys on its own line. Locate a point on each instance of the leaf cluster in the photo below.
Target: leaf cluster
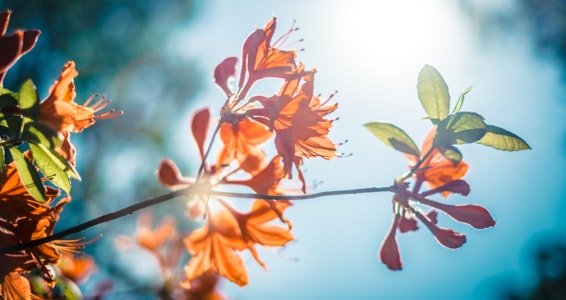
{"x": 452, "y": 128}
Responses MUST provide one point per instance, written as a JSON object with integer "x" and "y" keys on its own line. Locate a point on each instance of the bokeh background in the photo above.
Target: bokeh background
{"x": 155, "y": 60}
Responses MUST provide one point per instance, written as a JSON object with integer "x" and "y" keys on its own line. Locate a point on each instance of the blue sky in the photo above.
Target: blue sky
{"x": 371, "y": 52}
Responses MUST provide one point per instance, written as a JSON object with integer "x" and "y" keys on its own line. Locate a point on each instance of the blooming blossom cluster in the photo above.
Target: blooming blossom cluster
{"x": 38, "y": 163}
{"x": 293, "y": 119}
{"x": 37, "y": 137}
{"x": 444, "y": 177}
{"x": 438, "y": 163}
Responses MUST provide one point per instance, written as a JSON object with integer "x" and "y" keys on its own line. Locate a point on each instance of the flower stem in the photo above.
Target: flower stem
{"x": 208, "y": 148}
{"x": 195, "y": 189}
{"x": 417, "y": 165}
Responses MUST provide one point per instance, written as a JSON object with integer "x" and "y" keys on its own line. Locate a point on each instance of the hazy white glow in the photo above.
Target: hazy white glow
{"x": 392, "y": 34}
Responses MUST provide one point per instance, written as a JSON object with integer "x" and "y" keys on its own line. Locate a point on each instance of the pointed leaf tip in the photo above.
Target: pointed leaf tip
{"x": 460, "y": 102}
{"x": 460, "y": 128}
{"x": 502, "y": 139}
{"x": 433, "y": 93}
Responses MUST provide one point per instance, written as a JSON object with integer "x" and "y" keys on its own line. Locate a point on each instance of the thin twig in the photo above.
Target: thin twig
{"x": 183, "y": 192}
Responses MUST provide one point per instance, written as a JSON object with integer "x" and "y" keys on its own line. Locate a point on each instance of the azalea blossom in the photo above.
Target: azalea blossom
{"x": 255, "y": 230}
{"x": 161, "y": 241}
{"x": 241, "y": 139}
{"x": 261, "y": 58}
{"x": 215, "y": 246}
{"x": 266, "y": 182}
{"x": 214, "y": 249}
{"x": 299, "y": 120}
{"x": 64, "y": 115}
{"x": 165, "y": 244}
{"x": 27, "y": 228}
{"x": 16, "y": 201}
{"x": 76, "y": 268}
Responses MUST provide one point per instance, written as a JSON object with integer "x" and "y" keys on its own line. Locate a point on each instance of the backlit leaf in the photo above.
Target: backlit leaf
{"x": 460, "y": 128}
{"x": 28, "y": 175}
{"x": 461, "y": 100}
{"x": 51, "y": 165}
{"x": 394, "y": 137}
{"x": 502, "y": 139}
{"x": 433, "y": 94}
{"x": 28, "y": 100}
{"x": 451, "y": 153}
{"x": 41, "y": 133}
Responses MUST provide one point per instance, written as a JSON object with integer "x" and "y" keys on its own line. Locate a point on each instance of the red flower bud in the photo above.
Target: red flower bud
{"x": 446, "y": 237}
{"x": 455, "y": 186}
{"x": 407, "y": 224}
{"x": 473, "y": 215}
{"x": 170, "y": 176}
{"x": 223, "y": 72}
{"x": 389, "y": 252}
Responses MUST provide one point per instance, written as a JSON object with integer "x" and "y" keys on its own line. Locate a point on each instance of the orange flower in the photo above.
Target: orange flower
{"x": 15, "y": 286}
{"x": 214, "y": 249}
{"x": 15, "y": 45}
{"x": 162, "y": 241}
{"x": 436, "y": 169}
{"x": 266, "y": 182}
{"x": 261, "y": 59}
{"x": 15, "y": 200}
{"x": 77, "y": 269}
{"x": 255, "y": 230}
{"x": 60, "y": 111}
{"x": 241, "y": 139}
{"x": 25, "y": 229}
{"x": 298, "y": 119}
{"x": 153, "y": 239}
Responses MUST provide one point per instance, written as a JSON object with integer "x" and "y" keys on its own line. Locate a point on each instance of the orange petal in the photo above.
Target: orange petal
{"x": 15, "y": 286}
{"x": 389, "y": 252}
{"x": 199, "y": 128}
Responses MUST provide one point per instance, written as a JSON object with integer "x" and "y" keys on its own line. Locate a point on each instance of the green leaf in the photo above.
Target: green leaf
{"x": 502, "y": 139}
{"x": 28, "y": 175}
{"x": 394, "y": 137}
{"x": 41, "y": 133}
{"x": 68, "y": 288}
{"x": 459, "y": 128}
{"x": 52, "y": 166}
{"x": 12, "y": 125}
{"x": 461, "y": 100}
{"x": 433, "y": 94}
{"x": 451, "y": 153}
{"x": 28, "y": 100}
{"x": 8, "y": 100}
